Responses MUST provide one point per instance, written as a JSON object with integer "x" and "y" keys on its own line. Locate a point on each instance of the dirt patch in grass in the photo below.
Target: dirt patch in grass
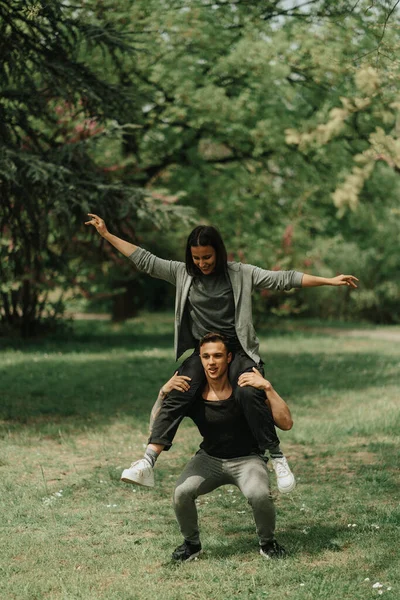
{"x": 334, "y": 559}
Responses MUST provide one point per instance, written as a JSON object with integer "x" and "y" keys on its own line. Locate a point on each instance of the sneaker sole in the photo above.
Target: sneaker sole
{"x": 192, "y": 557}
{"x": 195, "y": 555}
{"x": 133, "y": 482}
{"x": 125, "y": 480}
{"x": 275, "y": 556}
{"x": 287, "y": 490}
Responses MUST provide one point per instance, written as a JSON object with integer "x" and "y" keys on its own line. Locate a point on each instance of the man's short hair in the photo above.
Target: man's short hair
{"x": 214, "y": 337}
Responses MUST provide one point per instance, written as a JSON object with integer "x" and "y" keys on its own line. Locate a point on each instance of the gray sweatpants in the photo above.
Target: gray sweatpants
{"x": 205, "y": 473}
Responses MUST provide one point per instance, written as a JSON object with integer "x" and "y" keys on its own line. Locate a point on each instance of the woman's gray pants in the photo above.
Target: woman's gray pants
{"x": 205, "y": 473}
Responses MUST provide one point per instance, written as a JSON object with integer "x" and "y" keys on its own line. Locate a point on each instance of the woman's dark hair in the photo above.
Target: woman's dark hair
{"x": 206, "y": 235}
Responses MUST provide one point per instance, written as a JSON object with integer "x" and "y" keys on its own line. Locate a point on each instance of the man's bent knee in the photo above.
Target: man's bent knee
{"x": 187, "y": 490}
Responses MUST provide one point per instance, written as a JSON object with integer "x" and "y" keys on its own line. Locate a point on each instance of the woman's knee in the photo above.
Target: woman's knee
{"x": 192, "y": 368}
{"x": 246, "y": 394}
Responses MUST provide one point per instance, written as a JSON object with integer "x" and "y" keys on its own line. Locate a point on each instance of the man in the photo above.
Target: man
{"x": 228, "y": 453}
{"x": 145, "y": 474}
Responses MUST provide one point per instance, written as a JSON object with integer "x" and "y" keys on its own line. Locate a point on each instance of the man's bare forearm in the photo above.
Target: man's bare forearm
{"x": 280, "y": 410}
{"x": 156, "y": 408}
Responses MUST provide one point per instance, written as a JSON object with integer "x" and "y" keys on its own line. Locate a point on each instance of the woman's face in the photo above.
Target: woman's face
{"x": 204, "y": 258}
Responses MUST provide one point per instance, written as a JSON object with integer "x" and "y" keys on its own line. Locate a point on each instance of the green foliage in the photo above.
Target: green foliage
{"x": 276, "y": 123}
{"x": 57, "y": 112}
{"x": 257, "y": 175}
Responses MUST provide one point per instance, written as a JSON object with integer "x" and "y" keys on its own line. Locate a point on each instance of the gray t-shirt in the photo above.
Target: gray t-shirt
{"x": 212, "y": 307}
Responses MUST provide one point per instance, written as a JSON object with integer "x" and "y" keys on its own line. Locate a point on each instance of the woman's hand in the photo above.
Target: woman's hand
{"x": 316, "y": 281}
{"x": 177, "y": 382}
{"x": 98, "y": 223}
{"x": 344, "y": 280}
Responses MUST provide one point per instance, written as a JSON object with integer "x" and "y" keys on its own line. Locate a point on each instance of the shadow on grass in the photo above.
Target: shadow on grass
{"x": 83, "y": 341}
{"x": 154, "y": 329}
{"x": 318, "y": 540}
{"x": 92, "y": 392}
{"x": 58, "y": 383}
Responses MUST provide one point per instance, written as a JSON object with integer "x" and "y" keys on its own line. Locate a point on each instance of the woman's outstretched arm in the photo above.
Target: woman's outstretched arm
{"x": 315, "y": 281}
{"x": 143, "y": 260}
{"x": 286, "y": 280}
{"x": 124, "y": 247}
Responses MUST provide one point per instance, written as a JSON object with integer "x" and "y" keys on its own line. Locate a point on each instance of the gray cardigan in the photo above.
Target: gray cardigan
{"x": 244, "y": 279}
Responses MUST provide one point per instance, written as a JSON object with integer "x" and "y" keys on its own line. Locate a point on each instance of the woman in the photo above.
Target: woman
{"x": 212, "y": 294}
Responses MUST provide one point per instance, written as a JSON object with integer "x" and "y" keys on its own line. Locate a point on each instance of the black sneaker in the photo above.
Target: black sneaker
{"x": 186, "y": 551}
{"x": 272, "y": 550}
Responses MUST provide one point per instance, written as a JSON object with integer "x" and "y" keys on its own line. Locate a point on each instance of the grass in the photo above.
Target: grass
{"x": 74, "y": 412}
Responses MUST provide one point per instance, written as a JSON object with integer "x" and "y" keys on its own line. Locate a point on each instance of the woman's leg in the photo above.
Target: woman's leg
{"x": 252, "y": 402}
{"x": 166, "y": 422}
{"x": 260, "y": 420}
{"x": 175, "y": 405}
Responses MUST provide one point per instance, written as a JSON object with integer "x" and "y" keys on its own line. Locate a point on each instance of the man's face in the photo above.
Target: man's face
{"x": 215, "y": 359}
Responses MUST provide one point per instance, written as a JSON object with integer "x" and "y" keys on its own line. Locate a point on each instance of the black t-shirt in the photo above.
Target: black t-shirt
{"x": 225, "y": 431}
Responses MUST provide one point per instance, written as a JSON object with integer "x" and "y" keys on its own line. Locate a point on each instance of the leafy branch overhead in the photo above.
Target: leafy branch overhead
{"x": 264, "y": 117}
{"x": 57, "y": 114}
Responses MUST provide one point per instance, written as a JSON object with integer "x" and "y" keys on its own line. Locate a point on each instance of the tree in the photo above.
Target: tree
{"x": 233, "y": 89}
{"x": 55, "y": 111}
{"x": 232, "y": 108}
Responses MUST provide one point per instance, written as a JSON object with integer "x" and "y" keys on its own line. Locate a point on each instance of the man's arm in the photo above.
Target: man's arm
{"x": 280, "y": 410}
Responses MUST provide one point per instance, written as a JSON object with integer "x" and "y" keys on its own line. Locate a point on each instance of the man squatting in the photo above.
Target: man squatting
{"x": 228, "y": 454}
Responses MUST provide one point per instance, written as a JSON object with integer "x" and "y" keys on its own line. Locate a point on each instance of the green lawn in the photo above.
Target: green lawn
{"x": 74, "y": 412}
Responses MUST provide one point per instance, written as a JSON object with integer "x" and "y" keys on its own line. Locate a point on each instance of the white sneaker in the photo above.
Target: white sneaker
{"x": 284, "y": 476}
{"x": 140, "y": 473}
